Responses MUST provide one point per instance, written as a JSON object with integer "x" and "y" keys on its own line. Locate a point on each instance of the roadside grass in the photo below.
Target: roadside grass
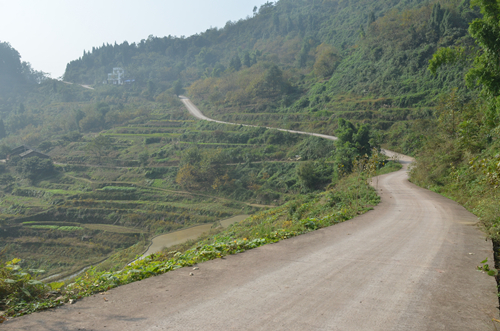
{"x": 349, "y": 197}
{"x": 391, "y": 166}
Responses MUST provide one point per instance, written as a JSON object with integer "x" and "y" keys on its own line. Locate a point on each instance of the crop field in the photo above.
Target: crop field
{"x": 99, "y": 204}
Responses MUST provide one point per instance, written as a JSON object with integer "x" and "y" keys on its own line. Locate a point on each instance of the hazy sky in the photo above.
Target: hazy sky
{"x": 51, "y": 33}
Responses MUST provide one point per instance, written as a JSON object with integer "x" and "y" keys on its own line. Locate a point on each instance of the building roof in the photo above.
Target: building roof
{"x": 31, "y": 153}
{"x": 20, "y": 149}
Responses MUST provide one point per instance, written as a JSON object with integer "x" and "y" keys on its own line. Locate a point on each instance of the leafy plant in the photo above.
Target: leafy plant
{"x": 20, "y": 291}
{"x": 486, "y": 268}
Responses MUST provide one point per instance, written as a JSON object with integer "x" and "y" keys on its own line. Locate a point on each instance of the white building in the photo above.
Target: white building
{"x": 117, "y": 77}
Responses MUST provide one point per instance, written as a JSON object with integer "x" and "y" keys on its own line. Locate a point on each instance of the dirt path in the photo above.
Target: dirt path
{"x": 407, "y": 265}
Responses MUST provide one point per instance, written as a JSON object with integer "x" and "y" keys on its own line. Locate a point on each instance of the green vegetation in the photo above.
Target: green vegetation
{"x": 461, "y": 160}
{"x": 19, "y": 288}
{"x": 351, "y": 196}
{"x": 128, "y": 162}
{"x": 163, "y": 176}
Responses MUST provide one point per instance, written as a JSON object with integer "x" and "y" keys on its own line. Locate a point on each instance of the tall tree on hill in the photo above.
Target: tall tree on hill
{"x": 486, "y": 31}
{"x": 485, "y": 70}
{"x": 247, "y": 60}
{"x": 235, "y": 63}
{"x": 353, "y": 141}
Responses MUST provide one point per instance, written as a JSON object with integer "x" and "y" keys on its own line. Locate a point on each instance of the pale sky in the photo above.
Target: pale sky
{"x": 51, "y": 33}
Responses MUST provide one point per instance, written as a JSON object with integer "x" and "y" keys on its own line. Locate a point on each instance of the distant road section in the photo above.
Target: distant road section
{"x": 197, "y": 113}
{"x": 193, "y": 110}
{"x": 84, "y": 86}
{"x": 409, "y": 264}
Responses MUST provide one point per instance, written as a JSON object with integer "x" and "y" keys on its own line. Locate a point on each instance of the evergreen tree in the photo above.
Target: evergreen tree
{"x": 246, "y": 59}
{"x": 235, "y": 63}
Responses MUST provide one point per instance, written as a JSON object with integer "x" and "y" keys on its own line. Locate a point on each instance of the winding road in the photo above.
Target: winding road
{"x": 409, "y": 264}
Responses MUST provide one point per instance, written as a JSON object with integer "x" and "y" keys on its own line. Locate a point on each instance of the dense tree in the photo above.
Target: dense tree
{"x": 353, "y": 141}
{"x": 10, "y": 67}
{"x": 99, "y": 146}
{"x": 235, "y": 63}
{"x": 485, "y": 70}
{"x": 246, "y": 59}
{"x": 272, "y": 27}
{"x": 16, "y": 75}
{"x": 486, "y": 32}
{"x": 327, "y": 61}
{"x": 34, "y": 167}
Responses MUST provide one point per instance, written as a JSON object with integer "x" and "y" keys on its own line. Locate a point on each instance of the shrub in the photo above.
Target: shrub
{"x": 20, "y": 292}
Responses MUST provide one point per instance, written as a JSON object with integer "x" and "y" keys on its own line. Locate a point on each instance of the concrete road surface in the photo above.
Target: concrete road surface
{"x": 410, "y": 264}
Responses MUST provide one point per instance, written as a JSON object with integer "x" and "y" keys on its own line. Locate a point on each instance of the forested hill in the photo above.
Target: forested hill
{"x": 14, "y": 73}
{"x": 284, "y": 32}
{"x": 297, "y": 56}
{"x": 293, "y": 63}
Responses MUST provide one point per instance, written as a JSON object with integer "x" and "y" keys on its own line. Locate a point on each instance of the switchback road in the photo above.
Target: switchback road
{"x": 409, "y": 264}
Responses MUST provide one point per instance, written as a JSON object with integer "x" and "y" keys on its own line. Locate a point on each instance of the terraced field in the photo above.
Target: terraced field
{"x": 100, "y": 205}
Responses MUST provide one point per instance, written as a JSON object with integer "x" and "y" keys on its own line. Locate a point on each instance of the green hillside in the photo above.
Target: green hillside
{"x": 284, "y": 31}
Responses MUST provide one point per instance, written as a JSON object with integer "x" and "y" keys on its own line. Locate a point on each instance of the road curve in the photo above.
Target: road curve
{"x": 193, "y": 110}
{"x": 409, "y": 264}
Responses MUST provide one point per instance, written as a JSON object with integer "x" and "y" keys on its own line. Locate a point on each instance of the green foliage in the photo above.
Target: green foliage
{"x": 4, "y": 151}
{"x": 313, "y": 148}
{"x": 3, "y": 132}
{"x": 461, "y": 159}
{"x": 314, "y": 175}
{"x": 294, "y": 64}
{"x": 389, "y": 167}
{"x": 352, "y": 142}
{"x": 445, "y": 56}
{"x": 99, "y": 146}
{"x": 485, "y": 70}
{"x": 347, "y": 199}
{"x": 20, "y": 292}
{"x": 327, "y": 61}
{"x": 486, "y": 268}
{"x": 15, "y": 76}
{"x": 34, "y": 167}
{"x": 486, "y": 31}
